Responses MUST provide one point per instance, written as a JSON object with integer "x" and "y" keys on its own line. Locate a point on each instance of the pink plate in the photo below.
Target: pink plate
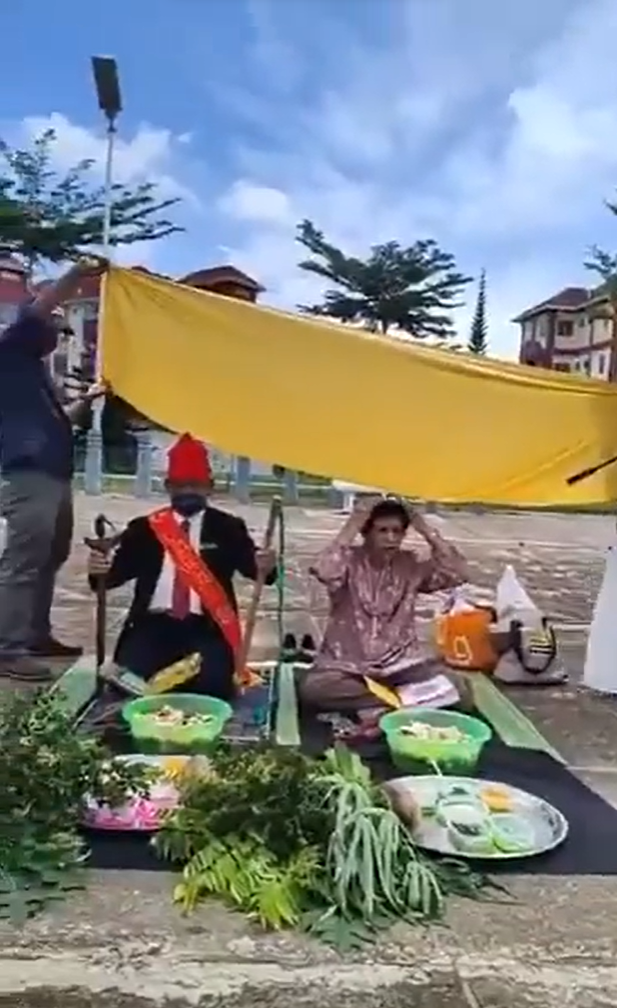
{"x": 140, "y": 815}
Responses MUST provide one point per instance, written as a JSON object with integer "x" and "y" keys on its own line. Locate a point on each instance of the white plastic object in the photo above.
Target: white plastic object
{"x": 600, "y": 672}
{"x": 512, "y": 601}
{"x": 460, "y": 601}
{"x": 350, "y": 491}
{"x": 3, "y": 535}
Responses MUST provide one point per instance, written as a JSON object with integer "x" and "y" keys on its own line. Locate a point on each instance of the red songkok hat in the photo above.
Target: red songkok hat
{"x": 188, "y": 461}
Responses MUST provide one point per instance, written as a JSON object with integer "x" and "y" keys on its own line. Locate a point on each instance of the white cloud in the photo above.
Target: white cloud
{"x": 490, "y": 130}
{"x": 557, "y": 160}
{"x": 248, "y": 202}
{"x": 148, "y": 155}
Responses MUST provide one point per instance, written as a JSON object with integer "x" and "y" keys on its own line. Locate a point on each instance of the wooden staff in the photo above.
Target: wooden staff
{"x": 102, "y": 544}
{"x": 251, "y": 612}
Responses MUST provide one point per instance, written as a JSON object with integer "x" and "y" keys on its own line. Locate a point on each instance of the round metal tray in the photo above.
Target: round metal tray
{"x": 548, "y": 826}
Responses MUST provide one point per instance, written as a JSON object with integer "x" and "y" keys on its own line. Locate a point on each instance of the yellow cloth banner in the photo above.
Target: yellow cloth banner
{"x": 339, "y": 402}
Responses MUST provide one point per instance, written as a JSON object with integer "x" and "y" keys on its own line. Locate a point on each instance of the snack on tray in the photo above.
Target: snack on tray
{"x": 469, "y": 830}
{"x": 512, "y": 834}
{"x": 404, "y": 803}
{"x": 456, "y": 795}
{"x": 496, "y": 798}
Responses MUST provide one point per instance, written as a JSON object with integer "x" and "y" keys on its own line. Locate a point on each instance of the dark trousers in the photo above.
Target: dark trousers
{"x": 156, "y": 640}
{"x": 38, "y": 510}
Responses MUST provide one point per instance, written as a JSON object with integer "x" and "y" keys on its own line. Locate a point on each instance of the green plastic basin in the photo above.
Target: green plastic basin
{"x": 408, "y": 752}
{"x": 150, "y": 737}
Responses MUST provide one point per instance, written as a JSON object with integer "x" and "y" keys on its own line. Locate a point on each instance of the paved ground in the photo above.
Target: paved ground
{"x": 556, "y": 945}
{"x": 558, "y": 557}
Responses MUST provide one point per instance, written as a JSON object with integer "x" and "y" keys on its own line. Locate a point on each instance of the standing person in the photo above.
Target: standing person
{"x": 373, "y": 587}
{"x": 182, "y": 559}
{"x": 36, "y": 472}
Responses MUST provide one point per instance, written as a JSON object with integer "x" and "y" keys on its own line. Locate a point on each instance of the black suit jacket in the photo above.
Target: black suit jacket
{"x": 225, "y": 546}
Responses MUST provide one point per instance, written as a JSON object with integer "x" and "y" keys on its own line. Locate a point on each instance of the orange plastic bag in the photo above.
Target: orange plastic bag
{"x": 463, "y": 639}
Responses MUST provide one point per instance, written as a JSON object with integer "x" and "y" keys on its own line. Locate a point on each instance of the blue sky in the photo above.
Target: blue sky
{"x": 490, "y": 127}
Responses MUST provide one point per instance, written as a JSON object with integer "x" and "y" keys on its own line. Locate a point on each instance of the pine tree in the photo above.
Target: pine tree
{"x": 478, "y": 337}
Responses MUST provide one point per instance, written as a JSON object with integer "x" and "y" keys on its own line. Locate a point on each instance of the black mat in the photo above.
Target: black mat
{"x": 590, "y": 849}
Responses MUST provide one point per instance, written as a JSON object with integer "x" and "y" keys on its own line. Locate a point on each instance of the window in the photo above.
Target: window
{"x": 582, "y": 322}
{"x": 601, "y": 364}
{"x": 90, "y": 310}
{"x": 564, "y": 328}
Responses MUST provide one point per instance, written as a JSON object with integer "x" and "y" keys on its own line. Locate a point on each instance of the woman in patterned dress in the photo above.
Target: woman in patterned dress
{"x": 373, "y": 586}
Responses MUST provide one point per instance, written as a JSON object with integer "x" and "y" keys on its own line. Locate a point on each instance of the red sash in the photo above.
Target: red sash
{"x": 196, "y": 575}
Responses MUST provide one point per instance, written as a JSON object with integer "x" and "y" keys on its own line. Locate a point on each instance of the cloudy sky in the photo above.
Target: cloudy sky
{"x": 489, "y": 126}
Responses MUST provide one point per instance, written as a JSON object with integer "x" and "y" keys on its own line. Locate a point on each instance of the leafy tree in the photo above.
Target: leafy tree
{"x": 478, "y": 336}
{"x": 50, "y": 217}
{"x": 47, "y": 216}
{"x": 414, "y": 289}
{"x": 604, "y": 265}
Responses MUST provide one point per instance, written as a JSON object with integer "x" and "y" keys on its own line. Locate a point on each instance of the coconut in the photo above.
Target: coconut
{"x": 404, "y": 804}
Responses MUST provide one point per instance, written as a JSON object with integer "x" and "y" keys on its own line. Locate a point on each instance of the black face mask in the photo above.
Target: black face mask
{"x": 188, "y": 504}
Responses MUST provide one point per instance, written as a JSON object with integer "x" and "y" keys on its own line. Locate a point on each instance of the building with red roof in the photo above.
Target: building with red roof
{"x": 572, "y": 330}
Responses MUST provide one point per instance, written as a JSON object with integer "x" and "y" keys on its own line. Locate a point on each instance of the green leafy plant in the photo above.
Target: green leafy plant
{"x": 372, "y": 859}
{"x": 251, "y": 833}
{"x": 297, "y": 842}
{"x": 250, "y": 878}
{"x": 272, "y": 793}
{"x": 47, "y": 770}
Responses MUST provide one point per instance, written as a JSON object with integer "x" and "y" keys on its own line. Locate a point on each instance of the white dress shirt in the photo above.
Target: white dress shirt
{"x": 163, "y": 593}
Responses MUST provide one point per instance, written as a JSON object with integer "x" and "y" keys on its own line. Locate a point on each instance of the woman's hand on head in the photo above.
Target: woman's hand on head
{"x": 419, "y": 524}
{"x": 363, "y": 506}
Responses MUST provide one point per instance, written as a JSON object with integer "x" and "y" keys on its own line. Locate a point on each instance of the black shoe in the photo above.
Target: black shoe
{"x": 289, "y": 647}
{"x": 25, "y": 670}
{"x": 52, "y": 648}
{"x": 306, "y": 654}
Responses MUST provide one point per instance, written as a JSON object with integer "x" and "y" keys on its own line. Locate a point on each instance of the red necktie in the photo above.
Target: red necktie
{"x": 181, "y": 593}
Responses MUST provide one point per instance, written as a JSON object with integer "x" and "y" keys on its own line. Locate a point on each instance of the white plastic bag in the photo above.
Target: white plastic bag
{"x": 524, "y": 638}
{"x": 513, "y": 602}
{"x": 600, "y": 672}
{"x": 457, "y": 601}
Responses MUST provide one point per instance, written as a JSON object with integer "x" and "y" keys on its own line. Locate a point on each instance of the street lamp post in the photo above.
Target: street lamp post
{"x": 107, "y": 85}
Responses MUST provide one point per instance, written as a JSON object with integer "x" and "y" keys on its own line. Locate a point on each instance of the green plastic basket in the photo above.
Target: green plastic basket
{"x": 408, "y": 752}
{"x": 152, "y": 738}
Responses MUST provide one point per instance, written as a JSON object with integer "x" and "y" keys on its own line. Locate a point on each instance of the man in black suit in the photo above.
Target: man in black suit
{"x": 182, "y": 559}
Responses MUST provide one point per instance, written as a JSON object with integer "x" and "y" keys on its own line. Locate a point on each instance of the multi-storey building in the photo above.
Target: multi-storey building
{"x": 571, "y": 331}
{"x": 13, "y": 286}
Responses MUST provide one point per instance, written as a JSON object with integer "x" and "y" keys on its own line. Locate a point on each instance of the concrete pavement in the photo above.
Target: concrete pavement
{"x": 120, "y": 943}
